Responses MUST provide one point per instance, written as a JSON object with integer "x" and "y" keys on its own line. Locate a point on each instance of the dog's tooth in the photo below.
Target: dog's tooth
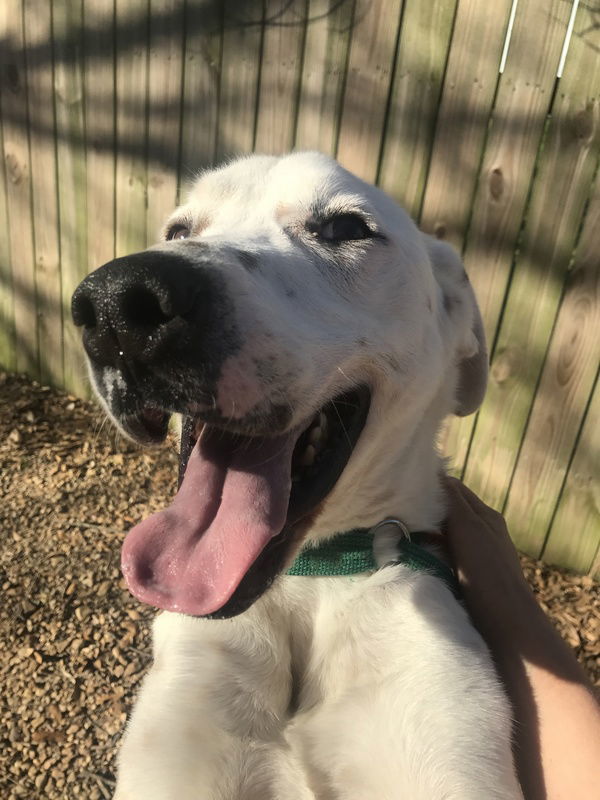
{"x": 308, "y": 456}
{"x": 324, "y": 424}
{"x": 315, "y": 435}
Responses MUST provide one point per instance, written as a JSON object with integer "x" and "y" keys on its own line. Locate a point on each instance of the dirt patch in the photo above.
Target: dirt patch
{"x": 75, "y": 644}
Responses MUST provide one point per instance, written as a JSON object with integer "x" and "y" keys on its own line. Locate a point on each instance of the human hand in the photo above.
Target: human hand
{"x": 556, "y": 753}
{"x": 486, "y": 562}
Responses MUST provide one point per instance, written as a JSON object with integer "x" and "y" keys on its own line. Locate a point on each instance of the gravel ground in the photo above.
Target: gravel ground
{"x": 75, "y": 644}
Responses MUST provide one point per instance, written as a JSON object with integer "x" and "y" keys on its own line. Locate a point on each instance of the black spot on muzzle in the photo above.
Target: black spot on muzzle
{"x": 157, "y": 311}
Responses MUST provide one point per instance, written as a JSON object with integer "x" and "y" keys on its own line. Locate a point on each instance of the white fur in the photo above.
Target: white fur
{"x": 346, "y": 688}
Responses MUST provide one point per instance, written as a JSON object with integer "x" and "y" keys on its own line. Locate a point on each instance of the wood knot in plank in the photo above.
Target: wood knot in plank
{"x": 496, "y": 183}
{"x": 583, "y": 124}
{"x": 14, "y": 170}
{"x": 506, "y": 365}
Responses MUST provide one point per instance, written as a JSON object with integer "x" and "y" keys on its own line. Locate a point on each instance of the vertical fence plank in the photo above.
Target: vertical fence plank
{"x": 68, "y": 93}
{"x": 328, "y": 34}
{"x": 99, "y": 81}
{"x": 38, "y": 36}
{"x": 18, "y": 190}
{"x": 8, "y": 353}
{"x": 468, "y": 93}
{"x": 240, "y": 71}
{"x": 370, "y": 69}
{"x": 567, "y": 380}
{"x": 574, "y": 538}
{"x": 7, "y": 317}
{"x": 131, "y": 128}
{"x": 517, "y": 123}
{"x": 200, "y": 88}
{"x": 422, "y": 54}
{"x": 165, "y": 73}
{"x": 563, "y": 179}
{"x": 283, "y": 42}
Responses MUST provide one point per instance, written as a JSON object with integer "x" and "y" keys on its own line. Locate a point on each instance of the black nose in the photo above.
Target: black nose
{"x": 143, "y": 307}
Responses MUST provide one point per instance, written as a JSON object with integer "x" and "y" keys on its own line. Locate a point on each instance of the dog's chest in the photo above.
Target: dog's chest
{"x": 322, "y": 678}
{"x": 345, "y": 633}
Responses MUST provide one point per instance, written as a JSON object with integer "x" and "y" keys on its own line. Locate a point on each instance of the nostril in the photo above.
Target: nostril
{"x": 84, "y": 312}
{"x": 141, "y": 308}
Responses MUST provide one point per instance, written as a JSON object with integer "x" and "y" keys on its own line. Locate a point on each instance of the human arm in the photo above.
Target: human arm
{"x": 557, "y": 730}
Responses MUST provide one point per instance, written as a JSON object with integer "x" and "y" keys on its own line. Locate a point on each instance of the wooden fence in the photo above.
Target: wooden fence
{"x": 482, "y": 118}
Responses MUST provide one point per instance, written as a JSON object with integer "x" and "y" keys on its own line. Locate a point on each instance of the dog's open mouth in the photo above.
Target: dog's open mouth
{"x": 242, "y": 506}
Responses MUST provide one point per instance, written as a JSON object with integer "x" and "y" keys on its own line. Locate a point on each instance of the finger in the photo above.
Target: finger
{"x": 458, "y": 494}
{"x": 470, "y": 499}
{"x": 468, "y": 516}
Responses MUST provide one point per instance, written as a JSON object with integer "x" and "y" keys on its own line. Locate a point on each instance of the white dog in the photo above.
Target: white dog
{"x": 314, "y": 340}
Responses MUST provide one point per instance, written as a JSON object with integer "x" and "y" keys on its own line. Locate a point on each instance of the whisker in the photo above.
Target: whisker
{"x": 347, "y": 403}
{"x": 99, "y": 429}
{"x": 342, "y": 424}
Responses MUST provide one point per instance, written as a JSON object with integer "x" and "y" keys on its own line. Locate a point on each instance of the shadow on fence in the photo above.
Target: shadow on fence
{"x": 120, "y": 147}
{"x": 126, "y": 140}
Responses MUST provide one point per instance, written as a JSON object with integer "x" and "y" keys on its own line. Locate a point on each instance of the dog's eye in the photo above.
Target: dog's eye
{"x": 178, "y": 232}
{"x": 342, "y": 228}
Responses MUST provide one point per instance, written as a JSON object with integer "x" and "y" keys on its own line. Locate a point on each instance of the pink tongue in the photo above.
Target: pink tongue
{"x": 192, "y": 556}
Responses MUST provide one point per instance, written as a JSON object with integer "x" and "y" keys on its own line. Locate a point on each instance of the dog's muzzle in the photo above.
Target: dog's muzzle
{"x": 158, "y": 327}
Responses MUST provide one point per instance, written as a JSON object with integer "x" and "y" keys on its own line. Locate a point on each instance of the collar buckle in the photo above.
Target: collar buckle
{"x": 387, "y": 537}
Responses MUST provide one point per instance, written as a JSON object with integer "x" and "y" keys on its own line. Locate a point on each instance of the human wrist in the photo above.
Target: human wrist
{"x": 507, "y": 616}
{"x": 531, "y": 643}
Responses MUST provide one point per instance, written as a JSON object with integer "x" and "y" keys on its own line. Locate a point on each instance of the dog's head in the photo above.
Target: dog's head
{"x": 289, "y": 311}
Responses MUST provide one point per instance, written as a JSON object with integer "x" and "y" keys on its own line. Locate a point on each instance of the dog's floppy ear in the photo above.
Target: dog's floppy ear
{"x": 473, "y": 369}
{"x": 461, "y": 321}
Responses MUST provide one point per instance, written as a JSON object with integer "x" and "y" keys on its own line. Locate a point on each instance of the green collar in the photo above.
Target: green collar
{"x": 351, "y": 552}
